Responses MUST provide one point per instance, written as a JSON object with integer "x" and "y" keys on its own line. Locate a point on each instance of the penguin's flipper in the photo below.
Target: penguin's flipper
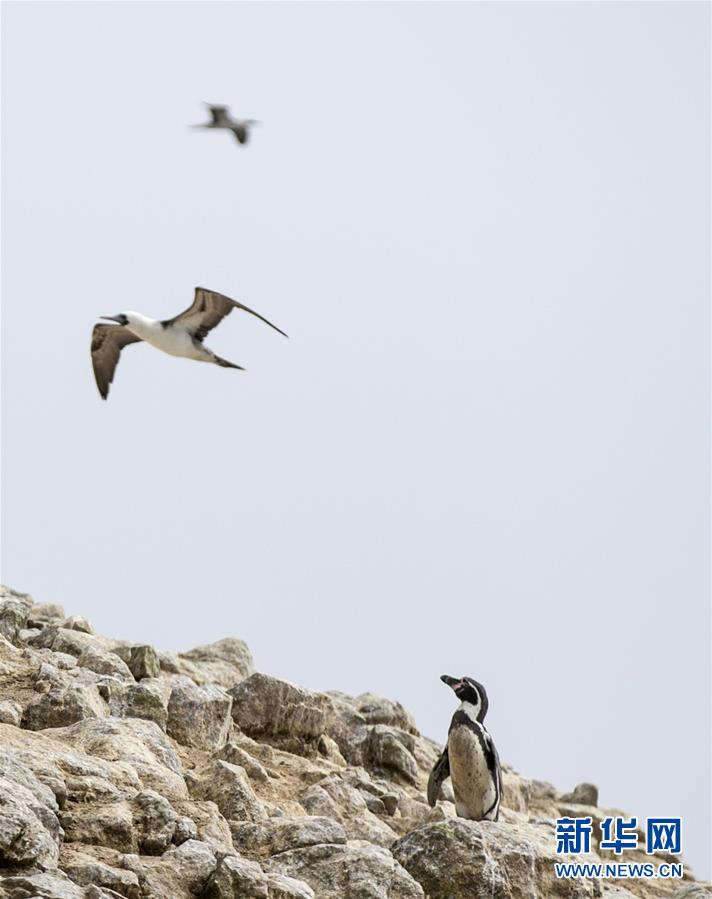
{"x": 492, "y": 813}
{"x": 440, "y": 773}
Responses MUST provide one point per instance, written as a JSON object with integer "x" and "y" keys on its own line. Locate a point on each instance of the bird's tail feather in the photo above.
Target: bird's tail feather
{"x": 225, "y": 364}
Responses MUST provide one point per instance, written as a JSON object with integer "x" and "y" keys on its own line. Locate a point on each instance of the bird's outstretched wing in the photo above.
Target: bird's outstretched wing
{"x": 107, "y": 341}
{"x": 242, "y": 133}
{"x": 439, "y": 774}
{"x": 207, "y": 310}
{"x": 217, "y": 112}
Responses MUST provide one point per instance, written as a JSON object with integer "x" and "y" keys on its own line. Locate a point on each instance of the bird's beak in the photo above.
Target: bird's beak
{"x": 450, "y": 681}
{"x": 111, "y": 318}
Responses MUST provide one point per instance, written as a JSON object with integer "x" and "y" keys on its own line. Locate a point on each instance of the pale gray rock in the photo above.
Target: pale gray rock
{"x": 357, "y": 870}
{"x": 10, "y": 712}
{"x": 261, "y": 839}
{"x": 329, "y": 749}
{"x": 186, "y": 829}
{"x": 85, "y": 870}
{"x": 182, "y": 872}
{"x": 63, "y": 639}
{"x": 334, "y": 797}
{"x": 110, "y": 825}
{"x": 30, "y": 831}
{"x": 234, "y": 754}
{"x": 316, "y": 801}
{"x": 391, "y": 750}
{"x": 379, "y": 710}
{"x": 41, "y": 885}
{"x": 14, "y": 611}
{"x": 486, "y": 860}
{"x": 283, "y": 887}
{"x": 143, "y": 661}
{"x": 348, "y": 728}
{"x": 139, "y": 744}
{"x": 44, "y": 613}
{"x": 199, "y": 717}
{"x": 102, "y": 662}
{"x": 25, "y": 634}
{"x": 265, "y": 707}
{"x": 94, "y": 892}
{"x": 237, "y": 878}
{"x": 154, "y": 822}
{"x": 139, "y": 700}
{"x": 582, "y": 794}
{"x": 63, "y": 705}
{"x": 224, "y": 663}
{"x": 229, "y": 787}
{"x": 211, "y": 826}
{"x": 76, "y": 623}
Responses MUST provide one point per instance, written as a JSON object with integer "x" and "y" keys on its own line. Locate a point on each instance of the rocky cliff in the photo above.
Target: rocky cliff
{"x": 130, "y": 772}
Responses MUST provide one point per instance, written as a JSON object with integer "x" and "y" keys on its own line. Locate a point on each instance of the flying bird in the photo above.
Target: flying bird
{"x": 220, "y": 118}
{"x": 179, "y": 336}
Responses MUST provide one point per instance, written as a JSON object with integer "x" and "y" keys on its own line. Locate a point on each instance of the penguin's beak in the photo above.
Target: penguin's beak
{"x": 450, "y": 681}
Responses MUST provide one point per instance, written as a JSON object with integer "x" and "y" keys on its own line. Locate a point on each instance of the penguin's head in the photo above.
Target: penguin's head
{"x": 469, "y": 691}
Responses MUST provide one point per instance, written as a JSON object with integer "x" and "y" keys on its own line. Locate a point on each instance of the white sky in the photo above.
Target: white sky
{"x": 484, "y": 449}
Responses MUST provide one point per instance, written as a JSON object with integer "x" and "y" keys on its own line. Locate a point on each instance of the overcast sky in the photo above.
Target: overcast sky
{"x": 484, "y": 448}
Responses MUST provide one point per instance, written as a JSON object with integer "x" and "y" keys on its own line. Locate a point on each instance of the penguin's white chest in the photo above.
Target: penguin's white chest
{"x": 472, "y": 783}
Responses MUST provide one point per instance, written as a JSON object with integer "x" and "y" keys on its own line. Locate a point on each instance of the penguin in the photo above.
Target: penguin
{"x": 469, "y": 758}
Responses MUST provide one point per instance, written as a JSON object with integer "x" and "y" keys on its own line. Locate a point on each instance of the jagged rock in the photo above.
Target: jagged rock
{"x": 486, "y": 860}
{"x": 329, "y": 749}
{"x": 379, "y": 710}
{"x": 235, "y": 878}
{"x": 142, "y": 700}
{"x": 76, "y": 623}
{"x": 199, "y": 716}
{"x": 391, "y": 750}
{"x": 109, "y": 825}
{"x": 44, "y": 613}
{"x": 14, "y": 611}
{"x": 63, "y": 639}
{"x": 10, "y": 712}
{"x": 63, "y": 705}
{"x": 265, "y": 707}
{"x": 30, "y": 832}
{"x": 224, "y": 663}
{"x": 185, "y": 829}
{"x": 85, "y": 870}
{"x": 139, "y": 744}
{"x": 182, "y": 872}
{"x": 143, "y": 661}
{"x": 357, "y": 870}
{"x": 283, "y": 887}
{"x": 334, "y": 797}
{"x": 154, "y": 822}
{"x": 229, "y": 787}
{"x": 41, "y": 885}
{"x": 582, "y": 794}
{"x": 234, "y": 754}
{"x": 71, "y": 775}
{"x": 103, "y": 662}
{"x": 211, "y": 826}
{"x": 265, "y": 838}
